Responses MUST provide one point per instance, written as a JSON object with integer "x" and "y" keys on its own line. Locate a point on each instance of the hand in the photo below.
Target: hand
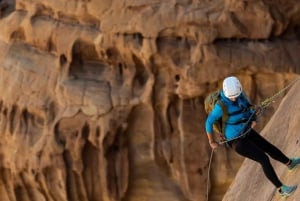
{"x": 258, "y": 109}
{"x": 253, "y": 124}
{"x": 213, "y": 144}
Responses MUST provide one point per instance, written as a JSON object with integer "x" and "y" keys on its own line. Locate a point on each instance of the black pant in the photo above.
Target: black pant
{"x": 255, "y": 147}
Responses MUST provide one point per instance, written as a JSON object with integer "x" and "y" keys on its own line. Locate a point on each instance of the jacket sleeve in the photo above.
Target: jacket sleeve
{"x": 213, "y": 117}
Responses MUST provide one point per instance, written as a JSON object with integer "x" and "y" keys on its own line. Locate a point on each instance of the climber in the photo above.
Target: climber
{"x": 240, "y": 134}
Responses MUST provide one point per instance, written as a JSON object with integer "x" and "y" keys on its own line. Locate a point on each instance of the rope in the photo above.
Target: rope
{"x": 208, "y": 174}
{"x": 268, "y": 101}
{"x": 264, "y": 104}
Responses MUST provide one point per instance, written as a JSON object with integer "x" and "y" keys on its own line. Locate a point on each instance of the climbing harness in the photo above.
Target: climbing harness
{"x": 260, "y": 109}
{"x": 241, "y": 135}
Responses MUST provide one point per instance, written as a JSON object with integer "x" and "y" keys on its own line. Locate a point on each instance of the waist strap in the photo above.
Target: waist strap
{"x": 238, "y": 122}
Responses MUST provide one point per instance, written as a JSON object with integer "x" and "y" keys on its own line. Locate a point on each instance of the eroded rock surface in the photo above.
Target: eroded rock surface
{"x": 103, "y": 100}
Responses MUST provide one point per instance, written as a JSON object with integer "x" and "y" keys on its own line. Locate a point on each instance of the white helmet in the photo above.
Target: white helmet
{"x": 232, "y": 87}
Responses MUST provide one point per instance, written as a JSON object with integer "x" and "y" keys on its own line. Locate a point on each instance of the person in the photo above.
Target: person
{"x": 240, "y": 135}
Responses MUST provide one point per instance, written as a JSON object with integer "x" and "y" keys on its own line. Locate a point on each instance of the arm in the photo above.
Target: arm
{"x": 213, "y": 144}
{"x": 213, "y": 116}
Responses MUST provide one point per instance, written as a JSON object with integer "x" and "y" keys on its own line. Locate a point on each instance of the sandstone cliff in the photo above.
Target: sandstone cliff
{"x": 103, "y": 100}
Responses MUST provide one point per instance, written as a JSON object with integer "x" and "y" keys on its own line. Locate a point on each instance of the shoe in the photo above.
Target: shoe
{"x": 286, "y": 191}
{"x": 294, "y": 164}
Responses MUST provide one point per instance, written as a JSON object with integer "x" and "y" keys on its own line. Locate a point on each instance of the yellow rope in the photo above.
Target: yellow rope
{"x": 268, "y": 101}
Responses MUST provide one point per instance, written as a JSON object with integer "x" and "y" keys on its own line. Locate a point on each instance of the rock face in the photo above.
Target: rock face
{"x": 103, "y": 100}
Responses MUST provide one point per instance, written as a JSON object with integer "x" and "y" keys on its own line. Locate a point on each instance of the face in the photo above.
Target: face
{"x": 233, "y": 99}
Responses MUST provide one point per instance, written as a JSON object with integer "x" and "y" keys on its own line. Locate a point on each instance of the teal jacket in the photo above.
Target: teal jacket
{"x": 239, "y": 112}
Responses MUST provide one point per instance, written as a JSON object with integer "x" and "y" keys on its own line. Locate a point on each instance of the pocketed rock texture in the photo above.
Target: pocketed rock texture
{"x": 103, "y": 100}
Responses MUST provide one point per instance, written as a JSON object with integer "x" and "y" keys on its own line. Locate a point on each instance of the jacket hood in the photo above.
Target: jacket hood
{"x": 224, "y": 98}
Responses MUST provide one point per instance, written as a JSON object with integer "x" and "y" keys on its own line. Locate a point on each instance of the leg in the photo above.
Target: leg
{"x": 248, "y": 149}
{"x": 267, "y": 147}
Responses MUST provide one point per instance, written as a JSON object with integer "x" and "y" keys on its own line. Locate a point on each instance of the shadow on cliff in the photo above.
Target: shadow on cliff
{"x": 250, "y": 184}
{"x": 6, "y": 7}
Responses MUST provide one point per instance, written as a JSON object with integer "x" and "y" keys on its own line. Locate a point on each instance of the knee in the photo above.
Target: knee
{"x": 264, "y": 160}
